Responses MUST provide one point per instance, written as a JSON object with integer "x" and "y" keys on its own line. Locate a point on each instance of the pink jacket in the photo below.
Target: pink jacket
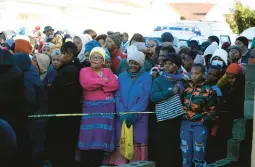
{"x": 94, "y": 86}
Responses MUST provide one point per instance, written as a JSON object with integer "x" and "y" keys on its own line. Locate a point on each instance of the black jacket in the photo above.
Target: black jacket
{"x": 12, "y": 110}
{"x": 64, "y": 97}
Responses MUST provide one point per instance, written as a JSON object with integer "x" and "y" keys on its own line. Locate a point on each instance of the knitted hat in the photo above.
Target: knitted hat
{"x": 244, "y": 40}
{"x": 225, "y": 45}
{"x": 253, "y": 43}
{"x": 238, "y": 48}
{"x": 6, "y": 58}
{"x": 23, "y": 46}
{"x": 116, "y": 39}
{"x": 167, "y": 37}
{"x": 137, "y": 56}
{"x": 173, "y": 57}
{"x": 234, "y": 68}
{"x": 90, "y": 45}
{"x": 99, "y": 50}
{"x": 222, "y": 54}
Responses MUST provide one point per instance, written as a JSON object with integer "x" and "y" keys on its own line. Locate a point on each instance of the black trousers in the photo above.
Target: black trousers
{"x": 168, "y": 152}
{"x": 92, "y": 158}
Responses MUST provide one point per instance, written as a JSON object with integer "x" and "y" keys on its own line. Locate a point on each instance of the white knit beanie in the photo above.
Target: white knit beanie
{"x": 137, "y": 56}
{"x": 222, "y": 54}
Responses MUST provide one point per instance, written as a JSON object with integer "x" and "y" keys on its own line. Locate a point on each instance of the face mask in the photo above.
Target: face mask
{"x": 51, "y": 36}
{"x": 217, "y": 63}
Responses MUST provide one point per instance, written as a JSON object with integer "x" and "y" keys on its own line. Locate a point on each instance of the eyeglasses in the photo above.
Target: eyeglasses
{"x": 96, "y": 58}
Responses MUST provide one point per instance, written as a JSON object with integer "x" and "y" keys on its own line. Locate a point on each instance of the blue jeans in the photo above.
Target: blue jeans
{"x": 193, "y": 143}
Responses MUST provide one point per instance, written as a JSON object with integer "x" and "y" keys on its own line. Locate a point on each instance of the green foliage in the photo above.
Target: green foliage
{"x": 242, "y": 18}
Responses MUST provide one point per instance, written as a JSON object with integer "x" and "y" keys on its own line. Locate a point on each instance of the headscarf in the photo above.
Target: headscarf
{"x": 84, "y": 39}
{"x": 31, "y": 76}
{"x": 211, "y": 49}
{"x": 43, "y": 62}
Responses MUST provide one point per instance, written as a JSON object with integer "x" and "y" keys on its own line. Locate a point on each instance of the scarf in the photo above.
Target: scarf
{"x": 135, "y": 74}
{"x": 178, "y": 78}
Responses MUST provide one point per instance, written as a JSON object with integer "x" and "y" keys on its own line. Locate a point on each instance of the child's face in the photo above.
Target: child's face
{"x": 46, "y": 50}
{"x": 56, "y": 61}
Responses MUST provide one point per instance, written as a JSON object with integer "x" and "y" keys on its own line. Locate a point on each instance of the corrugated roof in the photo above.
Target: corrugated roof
{"x": 192, "y": 11}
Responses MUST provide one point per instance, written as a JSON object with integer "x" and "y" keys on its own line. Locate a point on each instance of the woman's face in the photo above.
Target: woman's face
{"x": 134, "y": 66}
{"x": 109, "y": 44}
{"x": 46, "y": 50}
{"x": 96, "y": 61}
{"x": 170, "y": 67}
{"x": 102, "y": 42}
{"x": 77, "y": 41}
{"x": 196, "y": 75}
{"x": 234, "y": 55}
{"x": 56, "y": 61}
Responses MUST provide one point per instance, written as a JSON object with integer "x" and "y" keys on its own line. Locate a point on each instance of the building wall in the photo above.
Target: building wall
{"x": 215, "y": 14}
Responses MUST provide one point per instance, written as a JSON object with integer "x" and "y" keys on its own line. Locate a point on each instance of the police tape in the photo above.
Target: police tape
{"x": 85, "y": 114}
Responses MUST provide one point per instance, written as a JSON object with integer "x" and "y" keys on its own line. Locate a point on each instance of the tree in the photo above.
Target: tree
{"x": 242, "y": 18}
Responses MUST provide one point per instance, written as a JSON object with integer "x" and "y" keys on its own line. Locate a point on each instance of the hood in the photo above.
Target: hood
{"x": 84, "y": 39}
{"x": 43, "y": 62}
{"x": 222, "y": 54}
{"x": 23, "y": 61}
{"x": 211, "y": 49}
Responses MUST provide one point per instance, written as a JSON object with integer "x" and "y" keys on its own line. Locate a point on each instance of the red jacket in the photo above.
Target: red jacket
{"x": 116, "y": 57}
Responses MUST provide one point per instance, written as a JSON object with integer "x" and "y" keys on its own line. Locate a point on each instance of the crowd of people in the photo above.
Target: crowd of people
{"x": 111, "y": 80}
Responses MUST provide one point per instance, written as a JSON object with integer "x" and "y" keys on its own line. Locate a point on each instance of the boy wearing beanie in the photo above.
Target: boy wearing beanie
{"x": 243, "y": 42}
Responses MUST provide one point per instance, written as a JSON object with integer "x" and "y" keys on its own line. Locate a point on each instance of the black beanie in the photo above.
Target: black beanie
{"x": 173, "y": 57}
{"x": 244, "y": 40}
